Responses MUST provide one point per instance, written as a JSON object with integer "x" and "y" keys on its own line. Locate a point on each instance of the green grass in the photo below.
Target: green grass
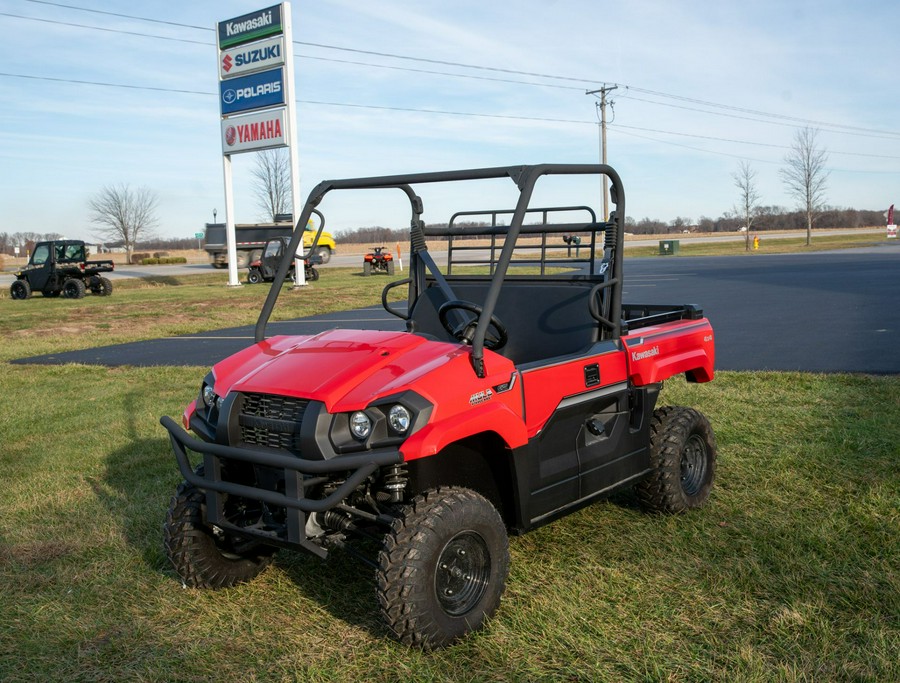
{"x": 767, "y": 245}
{"x": 792, "y": 572}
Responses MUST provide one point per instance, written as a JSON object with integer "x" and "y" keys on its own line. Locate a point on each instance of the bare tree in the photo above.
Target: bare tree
{"x": 272, "y": 182}
{"x": 805, "y": 175}
{"x": 124, "y": 214}
{"x": 745, "y": 181}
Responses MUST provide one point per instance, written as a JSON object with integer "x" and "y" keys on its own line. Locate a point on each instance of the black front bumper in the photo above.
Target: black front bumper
{"x": 299, "y": 474}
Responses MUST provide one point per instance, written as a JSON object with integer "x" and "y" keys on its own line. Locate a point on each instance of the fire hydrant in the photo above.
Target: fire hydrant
{"x": 755, "y": 242}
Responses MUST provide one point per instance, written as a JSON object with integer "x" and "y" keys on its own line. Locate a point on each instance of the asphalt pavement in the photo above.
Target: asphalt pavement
{"x": 818, "y": 312}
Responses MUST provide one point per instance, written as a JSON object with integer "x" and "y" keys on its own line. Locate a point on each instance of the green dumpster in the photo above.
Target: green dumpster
{"x": 667, "y": 247}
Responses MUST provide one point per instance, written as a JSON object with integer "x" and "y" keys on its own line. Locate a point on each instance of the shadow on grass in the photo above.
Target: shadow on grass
{"x": 139, "y": 482}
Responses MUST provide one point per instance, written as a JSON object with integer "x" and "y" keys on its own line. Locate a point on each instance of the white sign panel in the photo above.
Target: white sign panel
{"x": 261, "y": 130}
{"x": 244, "y": 59}
{"x": 892, "y": 232}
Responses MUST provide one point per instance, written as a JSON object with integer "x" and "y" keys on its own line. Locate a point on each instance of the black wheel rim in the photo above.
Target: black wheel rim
{"x": 694, "y": 462}
{"x": 463, "y": 571}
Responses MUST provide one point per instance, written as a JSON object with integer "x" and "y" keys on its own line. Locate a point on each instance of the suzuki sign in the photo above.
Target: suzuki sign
{"x": 251, "y": 132}
{"x": 251, "y": 57}
{"x": 257, "y": 90}
{"x": 252, "y": 26}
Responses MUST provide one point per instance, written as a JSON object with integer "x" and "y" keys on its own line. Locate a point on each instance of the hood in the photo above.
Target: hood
{"x": 345, "y": 369}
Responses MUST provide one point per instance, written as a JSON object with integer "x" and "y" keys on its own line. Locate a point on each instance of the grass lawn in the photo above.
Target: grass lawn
{"x": 792, "y": 572}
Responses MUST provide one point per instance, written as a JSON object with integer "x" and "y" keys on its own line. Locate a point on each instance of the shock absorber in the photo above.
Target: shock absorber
{"x": 394, "y": 482}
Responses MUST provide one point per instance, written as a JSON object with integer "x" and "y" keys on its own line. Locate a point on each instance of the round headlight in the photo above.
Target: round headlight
{"x": 209, "y": 395}
{"x": 360, "y": 425}
{"x": 399, "y": 418}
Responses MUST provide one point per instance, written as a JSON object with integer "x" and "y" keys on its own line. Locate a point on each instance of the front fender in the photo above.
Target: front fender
{"x": 495, "y": 417}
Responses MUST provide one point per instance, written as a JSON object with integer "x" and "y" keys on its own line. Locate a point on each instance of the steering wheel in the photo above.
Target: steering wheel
{"x": 465, "y": 331}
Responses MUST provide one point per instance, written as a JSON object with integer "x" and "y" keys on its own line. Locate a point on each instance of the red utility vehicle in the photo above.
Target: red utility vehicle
{"x": 522, "y": 390}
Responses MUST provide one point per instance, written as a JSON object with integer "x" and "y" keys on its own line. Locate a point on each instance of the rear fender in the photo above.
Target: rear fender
{"x": 657, "y": 353}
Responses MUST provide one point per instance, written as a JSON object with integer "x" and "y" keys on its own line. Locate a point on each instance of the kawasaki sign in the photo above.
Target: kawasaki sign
{"x": 253, "y": 26}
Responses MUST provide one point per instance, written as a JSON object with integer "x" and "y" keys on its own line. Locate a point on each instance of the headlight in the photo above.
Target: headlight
{"x": 399, "y": 418}
{"x": 208, "y": 394}
{"x": 360, "y": 425}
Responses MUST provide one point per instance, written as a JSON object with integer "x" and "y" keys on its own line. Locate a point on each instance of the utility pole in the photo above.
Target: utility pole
{"x": 601, "y": 105}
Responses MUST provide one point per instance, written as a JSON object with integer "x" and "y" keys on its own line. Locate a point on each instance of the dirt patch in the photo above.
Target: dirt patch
{"x": 35, "y": 554}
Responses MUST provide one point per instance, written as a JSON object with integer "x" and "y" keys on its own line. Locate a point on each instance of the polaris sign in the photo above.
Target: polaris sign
{"x": 255, "y": 91}
{"x": 252, "y": 26}
{"x": 251, "y": 57}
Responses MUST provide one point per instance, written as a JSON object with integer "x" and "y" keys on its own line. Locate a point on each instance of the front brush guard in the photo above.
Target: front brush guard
{"x": 294, "y": 500}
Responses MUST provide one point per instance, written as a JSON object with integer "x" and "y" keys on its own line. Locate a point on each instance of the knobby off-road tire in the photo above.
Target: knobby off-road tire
{"x": 390, "y": 267}
{"x": 20, "y": 289}
{"x": 443, "y": 567}
{"x": 683, "y": 455}
{"x": 101, "y": 286}
{"x": 367, "y": 268}
{"x": 201, "y": 559}
{"x": 73, "y": 288}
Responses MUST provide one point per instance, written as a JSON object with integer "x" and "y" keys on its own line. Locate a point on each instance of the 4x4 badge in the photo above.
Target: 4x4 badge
{"x": 480, "y": 397}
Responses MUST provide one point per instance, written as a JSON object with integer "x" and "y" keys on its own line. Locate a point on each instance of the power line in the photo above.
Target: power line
{"x": 101, "y": 28}
{"x": 541, "y": 119}
{"x": 792, "y": 120}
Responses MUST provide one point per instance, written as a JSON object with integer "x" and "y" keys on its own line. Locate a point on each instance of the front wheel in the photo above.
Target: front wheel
{"x": 443, "y": 567}
{"x": 20, "y": 289}
{"x": 204, "y": 556}
{"x": 254, "y": 277}
{"x": 683, "y": 457}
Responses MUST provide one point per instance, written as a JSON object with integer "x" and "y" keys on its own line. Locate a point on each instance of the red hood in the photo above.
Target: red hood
{"x": 346, "y": 369}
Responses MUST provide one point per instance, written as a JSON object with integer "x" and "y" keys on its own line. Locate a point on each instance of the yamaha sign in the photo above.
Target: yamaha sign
{"x": 255, "y": 91}
{"x": 251, "y": 132}
{"x": 253, "y": 26}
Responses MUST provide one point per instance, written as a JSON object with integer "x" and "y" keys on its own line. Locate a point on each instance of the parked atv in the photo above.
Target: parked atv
{"x": 378, "y": 261}
{"x": 264, "y": 268}
{"x": 515, "y": 397}
{"x": 59, "y": 267}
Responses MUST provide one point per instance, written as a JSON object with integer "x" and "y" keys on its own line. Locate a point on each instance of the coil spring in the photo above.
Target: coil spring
{"x": 395, "y": 481}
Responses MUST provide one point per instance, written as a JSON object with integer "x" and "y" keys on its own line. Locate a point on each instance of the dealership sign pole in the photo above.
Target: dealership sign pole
{"x": 256, "y": 99}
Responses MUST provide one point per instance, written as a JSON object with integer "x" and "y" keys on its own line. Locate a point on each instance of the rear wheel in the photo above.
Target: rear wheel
{"x": 683, "y": 455}
{"x": 443, "y": 567}
{"x": 20, "y": 289}
{"x": 367, "y": 268}
{"x": 73, "y": 288}
{"x": 312, "y": 274}
{"x": 390, "y": 267}
{"x": 101, "y": 286}
{"x": 204, "y": 556}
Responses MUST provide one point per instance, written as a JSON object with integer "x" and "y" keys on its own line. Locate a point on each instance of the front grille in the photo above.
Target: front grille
{"x": 272, "y": 421}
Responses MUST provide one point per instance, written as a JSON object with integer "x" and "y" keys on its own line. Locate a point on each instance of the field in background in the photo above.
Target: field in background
{"x": 770, "y": 242}
{"x": 791, "y": 573}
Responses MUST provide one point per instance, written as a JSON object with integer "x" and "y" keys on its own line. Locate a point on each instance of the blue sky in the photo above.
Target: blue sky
{"x": 701, "y": 86}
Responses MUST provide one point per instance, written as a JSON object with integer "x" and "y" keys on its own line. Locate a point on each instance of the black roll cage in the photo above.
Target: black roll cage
{"x": 525, "y": 178}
